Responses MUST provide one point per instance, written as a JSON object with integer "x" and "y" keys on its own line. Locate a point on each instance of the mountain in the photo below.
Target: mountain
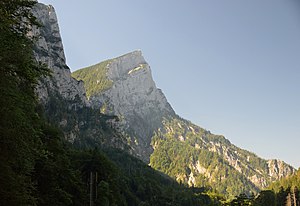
{"x": 62, "y": 97}
{"x": 124, "y": 87}
{"x": 40, "y": 164}
{"x": 136, "y": 117}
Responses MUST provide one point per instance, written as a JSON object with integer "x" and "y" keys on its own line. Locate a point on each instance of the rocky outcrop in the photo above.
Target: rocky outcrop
{"x": 133, "y": 88}
{"x": 135, "y": 98}
{"x": 278, "y": 169}
{"x": 49, "y": 51}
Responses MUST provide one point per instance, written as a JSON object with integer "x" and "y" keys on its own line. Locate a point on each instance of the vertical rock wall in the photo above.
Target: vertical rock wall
{"x": 49, "y": 50}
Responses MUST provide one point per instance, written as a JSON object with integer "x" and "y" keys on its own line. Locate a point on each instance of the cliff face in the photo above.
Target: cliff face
{"x": 49, "y": 50}
{"x": 124, "y": 87}
{"x": 63, "y": 97}
{"x": 133, "y": 88}
{"x": 134, "y": 97}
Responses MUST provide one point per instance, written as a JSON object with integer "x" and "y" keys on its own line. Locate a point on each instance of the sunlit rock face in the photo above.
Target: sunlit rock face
{"x": 49, "y": 50}
{"x": 135, "y": 98}
{"x": 279, "y": 169}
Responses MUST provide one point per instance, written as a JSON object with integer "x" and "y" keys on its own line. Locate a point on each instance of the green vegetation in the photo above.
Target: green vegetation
{"x": 179, "y": 160}
{"x": 94, "y": 78}
{"x": 284, "y": 192}
{"x": 20, "y": 129}
{"x": 286, "y": 183}
{"x": 148, "y": 187}
{"x": 194, "y": 156}
{"x": 287, "y": 189}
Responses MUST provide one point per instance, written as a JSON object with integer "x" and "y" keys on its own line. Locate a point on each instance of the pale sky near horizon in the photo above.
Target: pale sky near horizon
{"x": 231, "y": 67}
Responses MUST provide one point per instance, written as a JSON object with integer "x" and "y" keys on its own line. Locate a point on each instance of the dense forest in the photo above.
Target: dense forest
{"x": 39, "y": 167}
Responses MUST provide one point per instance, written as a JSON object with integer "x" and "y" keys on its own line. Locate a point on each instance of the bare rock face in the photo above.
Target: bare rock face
{"x": 135, "y": 98}
{"x": 133, "y": 90}
{"x": 279, "y": 169}
{"x": 49, "y": 50}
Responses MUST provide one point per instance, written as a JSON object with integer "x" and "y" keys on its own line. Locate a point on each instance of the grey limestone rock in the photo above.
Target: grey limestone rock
{"x": 49, "y": 50}
{"x": 135, "y": 98}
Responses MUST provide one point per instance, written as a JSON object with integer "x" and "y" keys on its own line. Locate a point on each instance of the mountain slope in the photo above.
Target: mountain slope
{"x": 173, "y": 145}
{"x": 131, "y": 94}
{"x": 197, "y": 157}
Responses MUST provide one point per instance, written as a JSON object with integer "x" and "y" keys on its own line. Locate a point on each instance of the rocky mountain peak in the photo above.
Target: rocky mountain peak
{"x": 133, "y": 85}
{"x": 122, "y": 66}
{"x": 132, "y": 95}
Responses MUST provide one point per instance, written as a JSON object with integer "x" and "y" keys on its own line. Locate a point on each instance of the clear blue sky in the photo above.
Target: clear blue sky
{"x": 232, "y": 67}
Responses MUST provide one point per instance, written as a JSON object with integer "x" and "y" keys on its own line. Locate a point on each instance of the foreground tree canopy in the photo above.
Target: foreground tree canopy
{"x": 19, "y": 124}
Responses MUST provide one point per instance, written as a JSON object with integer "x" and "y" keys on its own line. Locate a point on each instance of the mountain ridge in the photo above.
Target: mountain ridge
{"x": 130, "y": 72}
{"x": 143, "y": 122}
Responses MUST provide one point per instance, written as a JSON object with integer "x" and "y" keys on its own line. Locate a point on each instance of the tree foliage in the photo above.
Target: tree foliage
{"x": 94, "y": 77}
{"x": 182, "y": 153}
{"x": 19, "y": 122}
{"x": 280, "y": 193}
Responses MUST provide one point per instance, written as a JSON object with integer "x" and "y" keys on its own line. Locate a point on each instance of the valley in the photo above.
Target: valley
{"x": 106, "y": 135}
